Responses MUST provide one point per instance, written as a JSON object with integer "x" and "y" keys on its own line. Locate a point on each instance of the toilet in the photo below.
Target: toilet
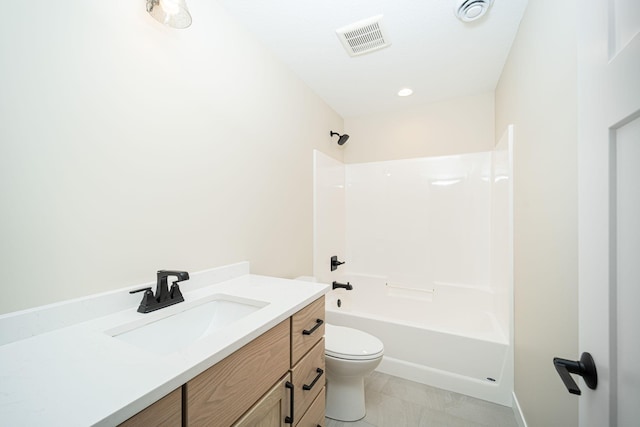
{"x": 350, "y": 355}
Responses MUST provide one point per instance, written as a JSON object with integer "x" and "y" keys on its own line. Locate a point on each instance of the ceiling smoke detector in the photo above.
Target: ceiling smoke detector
{"x": 364, "y": 36}
{"x": 470, "y": 10}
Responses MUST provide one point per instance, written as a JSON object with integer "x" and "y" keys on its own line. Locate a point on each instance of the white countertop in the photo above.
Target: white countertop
{"x": 79, "y": 375}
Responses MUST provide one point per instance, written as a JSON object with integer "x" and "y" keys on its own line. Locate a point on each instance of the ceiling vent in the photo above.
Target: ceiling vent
{"x": 470, "y": 10}
{"x": 364, "y": 36}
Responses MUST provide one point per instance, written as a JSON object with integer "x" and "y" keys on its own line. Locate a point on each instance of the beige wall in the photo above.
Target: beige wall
{"x": 454, "y": 126}
{"x": 127, "y": 147}
{"x": 537, "y": 92}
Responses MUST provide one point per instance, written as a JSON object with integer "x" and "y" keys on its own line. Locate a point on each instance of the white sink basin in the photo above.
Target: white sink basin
{"x": 182, "y": 325}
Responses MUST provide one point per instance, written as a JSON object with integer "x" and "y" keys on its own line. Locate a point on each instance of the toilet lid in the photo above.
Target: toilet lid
{"x": 349, "y": 343}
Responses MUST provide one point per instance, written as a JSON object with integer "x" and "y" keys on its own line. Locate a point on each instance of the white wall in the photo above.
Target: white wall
{"x": 537, "y": 92}
{"x": 454, "y": 126}
{"x": 126, "y": 147}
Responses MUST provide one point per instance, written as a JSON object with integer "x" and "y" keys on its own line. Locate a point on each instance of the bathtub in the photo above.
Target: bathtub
{"x": 443, "y": 335}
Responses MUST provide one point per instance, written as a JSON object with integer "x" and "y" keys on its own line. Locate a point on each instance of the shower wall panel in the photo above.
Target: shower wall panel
{"x": 420, "y": 222}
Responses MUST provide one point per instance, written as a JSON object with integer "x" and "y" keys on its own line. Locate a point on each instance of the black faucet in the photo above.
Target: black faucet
{"x": 164, "y": 296}
{"x": 346, "y": 286}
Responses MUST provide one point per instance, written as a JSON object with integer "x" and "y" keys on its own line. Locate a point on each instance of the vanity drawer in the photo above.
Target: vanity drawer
{"x": 222, "y": 393}
{"x": 315, "y": 415}
{"x": 310, "y": 371}
{"x": 303, "y": 334}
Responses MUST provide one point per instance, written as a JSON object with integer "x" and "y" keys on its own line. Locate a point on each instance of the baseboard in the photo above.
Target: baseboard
{"x": 517, "y": 411}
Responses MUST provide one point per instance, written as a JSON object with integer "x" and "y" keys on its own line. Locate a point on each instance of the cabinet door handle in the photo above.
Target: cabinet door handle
{"x": 289, "y": 420}
{"x": 315, "y": 380}
{"x": 312, "y": 330}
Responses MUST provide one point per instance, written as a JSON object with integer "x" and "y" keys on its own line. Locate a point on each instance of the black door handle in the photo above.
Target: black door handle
{"x": 585, "y": 367}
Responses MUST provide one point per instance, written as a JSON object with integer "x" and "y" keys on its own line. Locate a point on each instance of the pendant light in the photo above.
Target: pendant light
{"x": 172, "y": 13}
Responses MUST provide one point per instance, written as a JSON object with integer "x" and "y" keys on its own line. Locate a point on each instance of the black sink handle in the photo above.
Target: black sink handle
{"x": 140, "y": 290}
{"x": 585, "y": 367}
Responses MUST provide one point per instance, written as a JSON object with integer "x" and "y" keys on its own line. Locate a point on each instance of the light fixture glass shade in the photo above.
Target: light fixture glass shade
{"x": 173, "y": 13}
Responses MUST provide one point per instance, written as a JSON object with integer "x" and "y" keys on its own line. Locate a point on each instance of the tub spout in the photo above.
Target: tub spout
{"x": 346, "y": 286}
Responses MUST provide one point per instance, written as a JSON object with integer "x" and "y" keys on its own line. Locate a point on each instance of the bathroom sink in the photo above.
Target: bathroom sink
{"x": 165, "y": 333}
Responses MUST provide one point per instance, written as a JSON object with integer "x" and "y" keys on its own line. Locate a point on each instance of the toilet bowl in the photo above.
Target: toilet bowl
{"x": 350, "y": 355}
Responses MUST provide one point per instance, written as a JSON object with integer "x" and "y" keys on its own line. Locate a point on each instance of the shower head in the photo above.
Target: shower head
{"x": 342, "y": 138}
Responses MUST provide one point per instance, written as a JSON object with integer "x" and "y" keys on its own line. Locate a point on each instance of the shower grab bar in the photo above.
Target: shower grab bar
{"x": 465, "y": 286}
{"x": 409, "y": 288}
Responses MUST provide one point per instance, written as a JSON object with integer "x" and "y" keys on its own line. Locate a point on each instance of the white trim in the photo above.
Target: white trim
{"x": 517, "y": 411}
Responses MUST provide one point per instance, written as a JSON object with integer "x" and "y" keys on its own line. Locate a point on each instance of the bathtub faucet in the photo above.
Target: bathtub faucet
{"x": 337, "y": 285}
{"x": 335, "y": 263}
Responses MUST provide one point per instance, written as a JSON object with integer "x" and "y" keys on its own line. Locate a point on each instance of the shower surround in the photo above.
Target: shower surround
{"x": 427, "y": 245}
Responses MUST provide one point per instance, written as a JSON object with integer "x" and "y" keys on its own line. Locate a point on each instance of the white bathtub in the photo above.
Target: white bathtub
{"x": 443, "y": 335}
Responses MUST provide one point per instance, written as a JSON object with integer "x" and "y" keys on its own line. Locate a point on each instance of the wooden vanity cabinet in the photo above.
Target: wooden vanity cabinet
{"x": 223, "y": 393}
{"x": 271, "y": 410}
{"x": 306, "y": 377}
{"x": 314, "y": 416}
{"x": 166, "y": 412}
{"x": 253, "y": 386}
{"x": 307, "y": 359}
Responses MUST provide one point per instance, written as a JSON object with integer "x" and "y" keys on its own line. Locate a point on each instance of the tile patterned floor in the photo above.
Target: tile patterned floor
{"x": 396, "y": 402}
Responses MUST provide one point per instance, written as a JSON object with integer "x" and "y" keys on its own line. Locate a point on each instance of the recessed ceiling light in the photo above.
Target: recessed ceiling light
{"x": 405, "y": 92}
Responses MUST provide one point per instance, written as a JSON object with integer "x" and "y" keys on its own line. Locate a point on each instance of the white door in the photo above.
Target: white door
{"x": 609, "y": 208}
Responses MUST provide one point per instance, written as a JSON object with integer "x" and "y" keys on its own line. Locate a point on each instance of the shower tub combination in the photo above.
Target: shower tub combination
{"x": 428, "y": 249}
{"x": 443, "y": 337}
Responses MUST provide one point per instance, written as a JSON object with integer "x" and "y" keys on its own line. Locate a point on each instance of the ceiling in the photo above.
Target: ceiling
{"x": 431, "y": 52}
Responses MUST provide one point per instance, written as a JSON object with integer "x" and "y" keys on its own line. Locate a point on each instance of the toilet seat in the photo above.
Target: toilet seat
{"x": 351, "y": 344}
